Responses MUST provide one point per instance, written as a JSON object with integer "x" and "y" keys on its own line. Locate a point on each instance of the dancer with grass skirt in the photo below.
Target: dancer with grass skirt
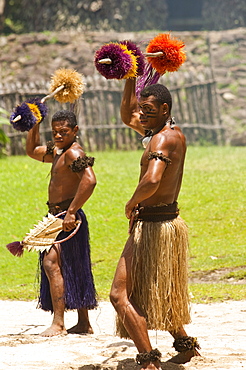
{"x": 150, "y": 287}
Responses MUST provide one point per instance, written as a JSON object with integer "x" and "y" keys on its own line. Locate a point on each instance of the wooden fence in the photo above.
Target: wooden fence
{"x": 195, "y": 109}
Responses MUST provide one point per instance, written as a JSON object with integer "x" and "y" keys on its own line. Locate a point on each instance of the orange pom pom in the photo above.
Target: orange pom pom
{"x": 173, "y": 57}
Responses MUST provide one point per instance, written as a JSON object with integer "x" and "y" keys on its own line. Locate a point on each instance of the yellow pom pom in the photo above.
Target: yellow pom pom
{"x": 72, "y": 82}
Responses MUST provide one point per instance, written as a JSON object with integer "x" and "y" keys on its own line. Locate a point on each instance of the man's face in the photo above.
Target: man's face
{"x": 63, "y": 134}
{"x": 151, "y": 112}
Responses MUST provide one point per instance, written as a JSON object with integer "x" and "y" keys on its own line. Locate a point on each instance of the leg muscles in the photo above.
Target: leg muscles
{"x": 51, "y": 264}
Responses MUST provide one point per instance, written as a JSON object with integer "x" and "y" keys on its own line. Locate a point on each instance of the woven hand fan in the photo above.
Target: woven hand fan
{"x": 43, "y": 236}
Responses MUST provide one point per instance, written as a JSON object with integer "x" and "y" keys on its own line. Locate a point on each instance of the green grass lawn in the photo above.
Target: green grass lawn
{"x": 211, "y": 201}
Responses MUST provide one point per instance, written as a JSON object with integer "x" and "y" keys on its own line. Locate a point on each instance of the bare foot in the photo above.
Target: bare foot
{"x": 81, "y": 329}
{"x": 183, "y": 357}
{"x": 54, "y": 330}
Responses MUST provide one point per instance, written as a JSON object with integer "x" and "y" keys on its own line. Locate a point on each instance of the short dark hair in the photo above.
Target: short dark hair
{"x": 160, "y": 92}
{"x": 65, "y": 115}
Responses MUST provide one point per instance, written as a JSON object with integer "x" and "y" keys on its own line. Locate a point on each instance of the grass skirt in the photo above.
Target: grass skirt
{"x": 76, "y": 272}
{"x": 160, "y": 274}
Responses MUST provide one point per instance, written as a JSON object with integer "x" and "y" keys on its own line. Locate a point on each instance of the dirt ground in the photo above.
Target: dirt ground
{"x": 219, "y": 327}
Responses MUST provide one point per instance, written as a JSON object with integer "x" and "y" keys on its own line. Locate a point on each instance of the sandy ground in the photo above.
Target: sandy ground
{"x": 219, "y": 327}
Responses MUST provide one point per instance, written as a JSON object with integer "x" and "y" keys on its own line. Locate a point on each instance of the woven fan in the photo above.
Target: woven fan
{"x": 43, "y": 236}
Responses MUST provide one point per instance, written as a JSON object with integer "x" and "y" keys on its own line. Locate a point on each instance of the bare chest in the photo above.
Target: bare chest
{"x": 59, "y": 166}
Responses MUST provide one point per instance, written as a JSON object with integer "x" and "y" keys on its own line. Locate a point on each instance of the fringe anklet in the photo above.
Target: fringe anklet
{"x": 185, "y": 344}
{"x": 152, "y": 356}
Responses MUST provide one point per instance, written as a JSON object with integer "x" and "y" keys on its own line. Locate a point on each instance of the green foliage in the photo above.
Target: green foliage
{"x": 13, "y": 26}
{"x": 120, "y": 15}
{"x": 224, "y": 14}
{"x": 211, "y": 202}
{"x": 3, "y": 137}
{"x": 230, "y": 56}
{"x": 204, "y": 58}
{"x": 3, "y": 117}
{"x": 234, "y": 87}
{"x": 38, "y": 16}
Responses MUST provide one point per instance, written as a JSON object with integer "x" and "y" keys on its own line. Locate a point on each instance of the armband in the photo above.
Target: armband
{"x": 50, "y": 149}
{"x": 81, "y": 163}
{"x": 156, "y": 155}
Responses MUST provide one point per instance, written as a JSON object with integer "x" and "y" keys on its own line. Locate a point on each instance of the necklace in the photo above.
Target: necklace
{"x": 149, "y": 134}
{"x": 146, "y": 139}
{"x": 60, "y": 151}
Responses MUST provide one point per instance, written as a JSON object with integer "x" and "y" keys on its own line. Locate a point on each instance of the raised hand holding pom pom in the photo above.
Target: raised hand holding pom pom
{"x": 26, "y": 115}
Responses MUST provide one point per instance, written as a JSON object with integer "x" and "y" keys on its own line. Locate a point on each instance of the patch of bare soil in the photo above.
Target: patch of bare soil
{"x": 219, "y": 328}
{"x": 222, "y": 275}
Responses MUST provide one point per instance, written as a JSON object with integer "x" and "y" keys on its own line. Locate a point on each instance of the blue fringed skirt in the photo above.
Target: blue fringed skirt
{"x": 76, "y": 271}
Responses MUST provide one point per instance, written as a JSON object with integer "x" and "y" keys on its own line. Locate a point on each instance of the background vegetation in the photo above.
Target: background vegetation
{"x": 211, "y": 202}
{"x": 3, "y": 137}
{"x": 23, "y": 16}
{"x": 223, "y": 14}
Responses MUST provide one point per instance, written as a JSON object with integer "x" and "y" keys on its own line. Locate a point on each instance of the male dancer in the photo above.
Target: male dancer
{"x": 150, "y": 287}
{"x": 66, "y": 277}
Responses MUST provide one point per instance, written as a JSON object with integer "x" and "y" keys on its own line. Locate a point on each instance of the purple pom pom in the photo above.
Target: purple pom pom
{"x": 121, "y": 62}
{"x": 15, "y": 248}
{"x": 138, "y": 53}
{"x": 27, "y": 120}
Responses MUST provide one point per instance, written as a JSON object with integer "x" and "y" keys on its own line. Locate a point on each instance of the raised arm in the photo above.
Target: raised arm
{"x": 129, "y": 107}
{"x": 34, "y": 149}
